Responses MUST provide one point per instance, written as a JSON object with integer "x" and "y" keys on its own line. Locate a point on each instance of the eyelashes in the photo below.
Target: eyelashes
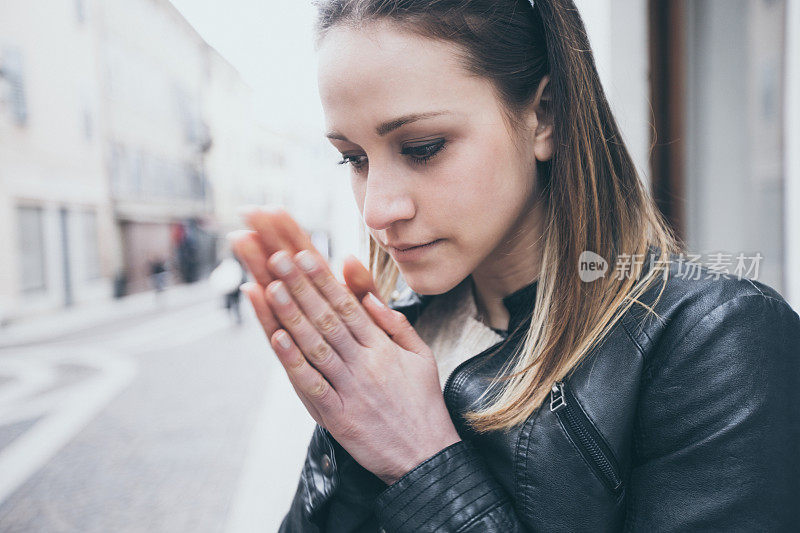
{"x": 356, "y": 161}
{"x": 421, "y": 154}
{"x": 417, "y": 154}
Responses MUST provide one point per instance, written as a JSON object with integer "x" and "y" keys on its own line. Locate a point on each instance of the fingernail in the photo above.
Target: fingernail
{"x": 375, "y": 300}
{"x": 282, "y": 263}
{"x": 280, "y": 293}
{"x": 283, "y": 340}
{"x": 235, "y": 234}
{"x": 247, "y": 287}
{"x": 306, "y": 260}
{"x": 245, "y": 210}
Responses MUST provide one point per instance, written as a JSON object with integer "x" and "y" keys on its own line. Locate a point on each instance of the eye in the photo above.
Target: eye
{"x": 418, "y": 154}
{"x": 422, "y": 153}
{"x": 356, "y": 161}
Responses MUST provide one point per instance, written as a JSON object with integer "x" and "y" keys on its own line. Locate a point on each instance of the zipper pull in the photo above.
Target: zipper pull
{"x": 557, "y": 400}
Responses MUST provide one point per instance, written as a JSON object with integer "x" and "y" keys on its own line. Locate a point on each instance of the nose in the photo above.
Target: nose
{"x": 386, "y": 199}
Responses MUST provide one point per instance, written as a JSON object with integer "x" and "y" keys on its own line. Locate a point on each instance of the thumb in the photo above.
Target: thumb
{"x": 357, "y": 277}
{"x": 395, "y": 324}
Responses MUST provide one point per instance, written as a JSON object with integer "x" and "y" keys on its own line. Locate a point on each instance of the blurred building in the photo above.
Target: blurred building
{"x": 707, "y": 93}
{"x": 126, "y": 141}
{"x": 152, "y": 71}
{"x": 55, "y": 210}
{"x": 248, "y": 162}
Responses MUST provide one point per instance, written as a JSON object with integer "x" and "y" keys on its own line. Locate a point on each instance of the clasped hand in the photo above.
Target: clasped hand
{"x": 358, "y": 366}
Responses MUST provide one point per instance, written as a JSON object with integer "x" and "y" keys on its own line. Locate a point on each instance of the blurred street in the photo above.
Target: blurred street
{"x": 178, "y": 420}
{"x": 132, "y": 132}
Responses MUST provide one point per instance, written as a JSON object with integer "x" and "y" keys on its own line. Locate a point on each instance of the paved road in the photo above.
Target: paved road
{"x": 181, "y": 422}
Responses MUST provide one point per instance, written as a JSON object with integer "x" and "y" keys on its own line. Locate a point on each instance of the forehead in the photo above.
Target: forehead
{"x": 381, "y": 70}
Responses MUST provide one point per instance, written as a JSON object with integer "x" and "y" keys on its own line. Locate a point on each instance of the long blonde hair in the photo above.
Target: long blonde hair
{"x": 592, "y": 196}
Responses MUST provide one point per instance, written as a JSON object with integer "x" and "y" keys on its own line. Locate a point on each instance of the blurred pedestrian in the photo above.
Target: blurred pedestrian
{"x": 158, "y": 273}
{"x": 227, "y": 278}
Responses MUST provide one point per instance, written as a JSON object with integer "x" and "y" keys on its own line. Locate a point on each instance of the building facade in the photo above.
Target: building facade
{"x": 127, "y": 142}
{"x": 707, "y": 94}
{"x": 55, "y": 210}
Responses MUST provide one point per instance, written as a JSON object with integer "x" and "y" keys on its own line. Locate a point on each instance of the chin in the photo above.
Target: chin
{"x": 430, "y": 282}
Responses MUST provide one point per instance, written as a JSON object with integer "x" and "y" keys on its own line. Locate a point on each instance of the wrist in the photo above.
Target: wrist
{"x": 422, "y": 454}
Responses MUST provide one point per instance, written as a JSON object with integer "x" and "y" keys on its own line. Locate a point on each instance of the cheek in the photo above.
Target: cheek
{"x": 481, "y": 180}
{"x": 358, "y": 187}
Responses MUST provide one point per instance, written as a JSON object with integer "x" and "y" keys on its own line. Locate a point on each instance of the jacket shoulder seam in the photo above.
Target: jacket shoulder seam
{"x": 626, "y": 326}
{"x": 716, "y": 308}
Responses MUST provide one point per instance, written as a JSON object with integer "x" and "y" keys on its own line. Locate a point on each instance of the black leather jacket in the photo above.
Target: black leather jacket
{"x": 691, "y": 423}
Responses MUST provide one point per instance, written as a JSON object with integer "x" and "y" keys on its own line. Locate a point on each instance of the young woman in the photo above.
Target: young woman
{"x": 551, "y": 367}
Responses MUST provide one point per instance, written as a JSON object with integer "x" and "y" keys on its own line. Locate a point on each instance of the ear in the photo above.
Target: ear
{"x": 540, "y": 121}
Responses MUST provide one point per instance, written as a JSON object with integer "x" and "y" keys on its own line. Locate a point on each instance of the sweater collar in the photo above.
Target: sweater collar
{"x": 519, "y": 305}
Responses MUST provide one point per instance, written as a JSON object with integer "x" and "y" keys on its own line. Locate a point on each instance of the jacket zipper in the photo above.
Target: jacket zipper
{"x": 563, "y": 403}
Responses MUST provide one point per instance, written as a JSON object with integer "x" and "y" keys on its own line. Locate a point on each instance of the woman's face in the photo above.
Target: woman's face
{"x": 431, "y": 156}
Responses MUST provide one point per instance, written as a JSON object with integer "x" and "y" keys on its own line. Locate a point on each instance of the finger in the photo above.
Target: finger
{"x": 263, "y": 224}
{"x": 312, "y": 410}
{"x": 343, "y": 302}
{"x": 308, "y": 405}
{"x": 246, "y": 245}
{"x": 358, "y": 277}
{"x": 313, "y": 304}
{"x": 291, "y": 231}
{"x": 394, "y": 323}
{"x": 305, "y": 335}
{"x": 306, "y": 380}
{"x": 255, "y": 293}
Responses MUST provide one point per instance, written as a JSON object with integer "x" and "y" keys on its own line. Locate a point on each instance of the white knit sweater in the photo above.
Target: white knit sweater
{"x": 449, "y": 324}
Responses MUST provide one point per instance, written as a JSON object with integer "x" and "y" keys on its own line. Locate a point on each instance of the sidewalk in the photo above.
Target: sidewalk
{"x": 52, "y": 326}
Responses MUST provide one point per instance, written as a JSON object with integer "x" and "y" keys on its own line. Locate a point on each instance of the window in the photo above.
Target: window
{"x": 12, "y": 76}
{"x": 80, "y": 11}
{"x": 31, "y": 246}
{"x": 90, "y": 245}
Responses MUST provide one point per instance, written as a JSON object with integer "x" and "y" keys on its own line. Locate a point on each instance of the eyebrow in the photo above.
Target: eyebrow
{"x": 393, "y": 124}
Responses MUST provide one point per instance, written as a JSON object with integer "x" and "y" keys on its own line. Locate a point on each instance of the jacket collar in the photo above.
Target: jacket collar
{"x": 519, "y": 304}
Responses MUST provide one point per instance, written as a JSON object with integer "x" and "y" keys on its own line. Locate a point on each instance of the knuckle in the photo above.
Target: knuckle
{"x": 321, "y": 353}
{"x": 299, "y": 289}
{"x": 401, "y": 318}
{"x": 327, "y": 323}
{"x": 297, "y": 362}
{"x": 324, "y": 280}
{"x": 294, "y": 319}
{"x": 319, "y": 389}
{"x": 347, "y": 307}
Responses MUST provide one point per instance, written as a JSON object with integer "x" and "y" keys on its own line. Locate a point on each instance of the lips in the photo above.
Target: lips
{"x": 406, "y": 246}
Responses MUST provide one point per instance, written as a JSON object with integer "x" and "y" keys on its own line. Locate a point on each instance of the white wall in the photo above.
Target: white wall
{"x": 49, "y": 161}
{"x": 618, "y": 36}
